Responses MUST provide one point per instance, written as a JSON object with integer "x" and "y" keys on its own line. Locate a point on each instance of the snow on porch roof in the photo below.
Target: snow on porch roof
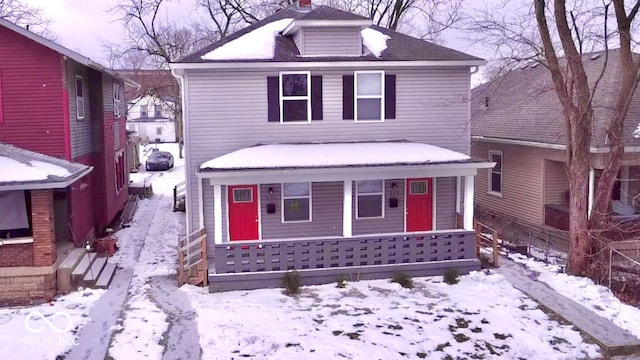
{"x": 324, "y": 155}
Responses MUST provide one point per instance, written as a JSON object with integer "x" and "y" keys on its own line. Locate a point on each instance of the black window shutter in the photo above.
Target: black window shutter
{"x": 316, "y": 98}
{"x": 390, "y": 97}
{"x": 347, "y": 97}
{"x": 273, "y": 98}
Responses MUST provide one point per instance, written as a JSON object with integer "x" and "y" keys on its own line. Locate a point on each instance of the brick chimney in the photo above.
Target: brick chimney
{"x": 304, "y": 4}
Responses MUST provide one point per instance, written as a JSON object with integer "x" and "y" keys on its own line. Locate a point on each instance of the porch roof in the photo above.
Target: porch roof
{"x": 333, "y": 155}
{"x": 27, "y": 170}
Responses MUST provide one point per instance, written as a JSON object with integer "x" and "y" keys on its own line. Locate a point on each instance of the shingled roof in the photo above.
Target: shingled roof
{"x": 400, "y": 47}
{"x": 523, "y": 105}
{"x": 28, "y": 170}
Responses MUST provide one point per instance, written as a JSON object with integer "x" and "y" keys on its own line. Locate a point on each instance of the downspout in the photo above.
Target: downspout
{"x": 65, "y": 111}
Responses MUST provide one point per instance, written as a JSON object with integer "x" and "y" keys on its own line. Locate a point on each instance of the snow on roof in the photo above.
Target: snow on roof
{"x": 333, "y": 155}
{"x": 257, "y": 44}
{"x": 374, "y": 40}
{"x": 15, "y": 171}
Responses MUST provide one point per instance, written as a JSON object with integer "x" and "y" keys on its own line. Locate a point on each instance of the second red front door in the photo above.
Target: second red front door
{"x": 419, "y": 204}
{"x": 243, "y": 212}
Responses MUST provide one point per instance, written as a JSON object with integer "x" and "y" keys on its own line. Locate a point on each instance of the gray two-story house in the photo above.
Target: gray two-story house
{"x": 318, "y": 142}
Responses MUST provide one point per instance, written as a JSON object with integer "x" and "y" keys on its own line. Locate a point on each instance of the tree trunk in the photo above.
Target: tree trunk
{"x": 578, "y": 258}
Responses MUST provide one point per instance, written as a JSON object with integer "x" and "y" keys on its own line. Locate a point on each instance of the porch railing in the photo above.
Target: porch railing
{"x": 179, "y": 197}
{"x": 192, "y": 259}
{"x": 487, "y": 242}
{"x": 283, "y": 255}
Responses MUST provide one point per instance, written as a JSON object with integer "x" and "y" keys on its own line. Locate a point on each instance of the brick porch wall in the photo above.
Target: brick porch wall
{"x": 27, "y": 271}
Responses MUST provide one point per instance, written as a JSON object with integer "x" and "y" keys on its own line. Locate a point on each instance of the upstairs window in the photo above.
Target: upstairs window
{"x": 495, "y": 174}
{"x": 295, "y": 97}
{"x": 369, "y": 95}
{"x": 144, "y": 111}
{"x": 116, "y": 100}
{"x": 157, "y": 110}
{"x": 79, "y": 97}
{"x": 296, "y": 202}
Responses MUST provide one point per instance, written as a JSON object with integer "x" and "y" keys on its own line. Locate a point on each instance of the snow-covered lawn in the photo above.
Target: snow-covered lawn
{"x": 47, "y": 330}
{"x": 481, "y": 317}
{"x": 583, "y": 290}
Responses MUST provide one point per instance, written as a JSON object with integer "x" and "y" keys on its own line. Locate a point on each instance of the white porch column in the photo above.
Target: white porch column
{"x": 592, "y": 180}
{"x": 200, "y": 205}
{"x": 468, "y": 202}
{"x": 347, "y": 209}
{"x": 458, "y": 195}
{"x": 217, "y": 214}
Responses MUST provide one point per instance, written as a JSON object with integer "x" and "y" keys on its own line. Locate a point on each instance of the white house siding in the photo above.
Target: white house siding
{"x": 430, "y": 108}
{"x": 147, "y": 130}
{"x": 331, "y": 41}
{"x": 445, "y": 203}
{"x": 556, "y": 182}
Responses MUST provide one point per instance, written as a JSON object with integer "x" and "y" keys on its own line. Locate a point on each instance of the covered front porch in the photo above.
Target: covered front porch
{"x": 366, "y": 217}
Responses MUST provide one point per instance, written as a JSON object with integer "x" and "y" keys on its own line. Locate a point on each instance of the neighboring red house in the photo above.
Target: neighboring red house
{"x": 57, "y": 102}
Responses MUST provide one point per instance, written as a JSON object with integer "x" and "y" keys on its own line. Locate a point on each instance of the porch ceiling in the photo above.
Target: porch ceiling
{"x": 338, "y": 161}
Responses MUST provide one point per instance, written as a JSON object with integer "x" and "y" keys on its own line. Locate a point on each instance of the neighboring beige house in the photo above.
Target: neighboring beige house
{"x": 152, "y": 119}
{"x": 517, "y": 122}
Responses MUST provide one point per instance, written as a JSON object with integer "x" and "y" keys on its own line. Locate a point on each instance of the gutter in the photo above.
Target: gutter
{"x": 592, "y": 150}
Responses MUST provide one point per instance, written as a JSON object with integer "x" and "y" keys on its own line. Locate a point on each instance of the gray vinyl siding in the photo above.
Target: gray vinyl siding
{"x": 331, "y": 41}
{"x": 445, "y": 203}
{"x": 326, "y": 209}
{"x": 556, "y": 182}
{"x": 393, "y": 220}
{"x": 298, "y": 40}
{"x": 429, "y": 109}
{"x": 207, "y": 202}
{"x": 81, "y": 130}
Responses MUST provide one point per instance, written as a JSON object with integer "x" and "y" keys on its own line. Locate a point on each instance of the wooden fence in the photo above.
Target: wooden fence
{"x": 487, "y": 243}
{"x": 192, "y": 259}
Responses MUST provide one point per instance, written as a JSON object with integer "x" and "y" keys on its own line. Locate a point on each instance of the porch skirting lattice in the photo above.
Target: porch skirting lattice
{"x": 250, "y": 265}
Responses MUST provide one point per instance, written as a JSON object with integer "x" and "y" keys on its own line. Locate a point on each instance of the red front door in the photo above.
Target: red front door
{"x": 243, "y": 212}
{"x": 419, "y": 204}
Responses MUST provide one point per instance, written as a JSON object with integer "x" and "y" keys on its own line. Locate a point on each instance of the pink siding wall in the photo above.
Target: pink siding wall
{"x": 82, "y": 204}
{"x": 32, "y": 108}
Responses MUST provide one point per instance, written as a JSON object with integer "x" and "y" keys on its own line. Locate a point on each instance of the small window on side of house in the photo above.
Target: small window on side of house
{"x": 116, "y": 100}
{"x": 158, "y": 131}
{"x": 369, "y": 199}
{"x": 157, "y": 111}
{"x": 144, "y": 111}
{"x": 295, "y": 97}
{"x": 369, "y": 96}
{"x": 296, "y": 202}
{"x": 79, "y": 97}
{"x": 495, "y": 173}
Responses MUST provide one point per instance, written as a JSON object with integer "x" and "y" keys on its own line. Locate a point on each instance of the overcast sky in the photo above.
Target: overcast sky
{"x": 81, "y": 25}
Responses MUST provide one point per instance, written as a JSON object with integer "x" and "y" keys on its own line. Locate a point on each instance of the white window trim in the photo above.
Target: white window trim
{"x": 283, "y": 197}
{"x": 380, "y": 193}
{"x": 282, "y": 99}
{"x": 116, "y": 100}
{"x": 147, "y": 111}
{"x": 490, "y": 173}
{"x": 119, "y": 157}
{"x": 356, "y": 96}
{"x": 75, "y": 87}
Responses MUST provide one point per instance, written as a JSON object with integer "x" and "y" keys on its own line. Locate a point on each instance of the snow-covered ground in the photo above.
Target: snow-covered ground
{"x": 140, "y": 332}
{"x": 482, "y": 316}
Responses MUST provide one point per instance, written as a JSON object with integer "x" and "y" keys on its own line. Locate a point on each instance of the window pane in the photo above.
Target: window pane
{"x": 498, "y": 160}
{"x": 242, "y": 195}
{"x": 369, "y": 109}
{"x": 418, "y": 187}
{"x": 296, "y": 209}
{"x": 369, "y": 84}
{"x": 496, "y": 186}
{"x": 369, "y": 206}
{"x": 79, "y": 87}
{"x": 294, "y": 110}
{"x": 296, "y": 189}
{"x": 369, "y": 186}
{"x": 158, "y": 110}
{"x": 294, "y": 85}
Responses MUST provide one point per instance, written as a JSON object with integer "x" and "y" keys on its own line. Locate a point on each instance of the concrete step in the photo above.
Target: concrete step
{"x": 66, "y": 267}
{"x": 106, "y": 276}
{"x": 94, "y": 271}
{"x": 78, "y": 273}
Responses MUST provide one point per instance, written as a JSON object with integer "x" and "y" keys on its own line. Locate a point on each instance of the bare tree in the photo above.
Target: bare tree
{"x": 27, "y": 16}
{"x": 562, "y": 31}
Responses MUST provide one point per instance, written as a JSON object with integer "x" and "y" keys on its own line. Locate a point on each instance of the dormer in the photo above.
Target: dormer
{"x": 316, "y": 34}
